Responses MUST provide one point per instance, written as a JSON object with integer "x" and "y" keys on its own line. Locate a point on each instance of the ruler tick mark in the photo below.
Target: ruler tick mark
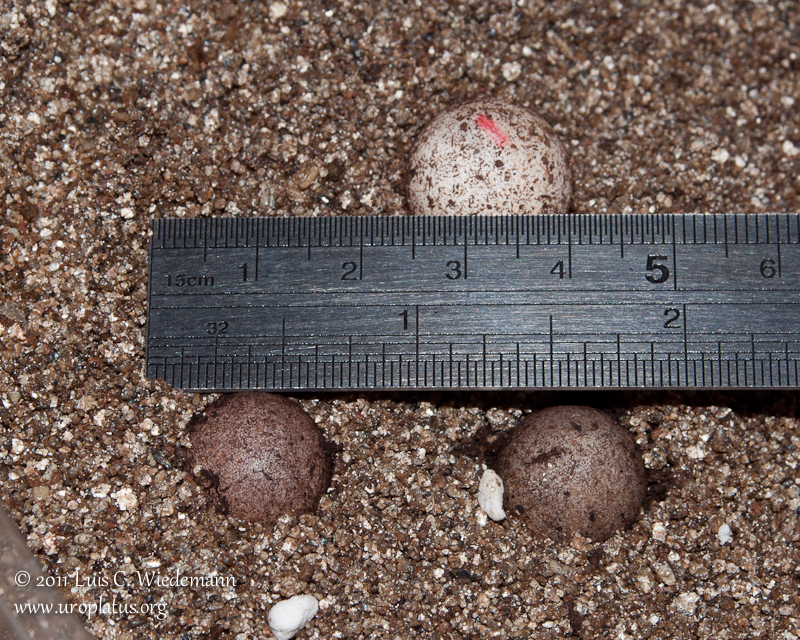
{"x": 416, "y": 342}
{"x": 725, "y": 221}
{"x": 675, "y": 256}
{"x": 552, "y": 347}
{"x": 484, "y": 359}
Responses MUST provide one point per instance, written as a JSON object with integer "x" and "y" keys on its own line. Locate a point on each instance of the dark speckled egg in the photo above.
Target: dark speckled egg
{"x": 260, "y": 456}
{"x": 571, "y": 469}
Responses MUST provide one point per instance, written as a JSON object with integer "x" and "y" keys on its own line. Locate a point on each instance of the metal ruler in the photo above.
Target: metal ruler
{"x": 589, "y": 301}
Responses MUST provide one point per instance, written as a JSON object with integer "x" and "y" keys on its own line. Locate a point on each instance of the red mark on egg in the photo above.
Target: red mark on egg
{"x": 492, "y": 130}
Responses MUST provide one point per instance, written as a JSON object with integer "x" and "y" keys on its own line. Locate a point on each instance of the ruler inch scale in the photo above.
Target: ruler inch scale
{"x": 475, "y": 302}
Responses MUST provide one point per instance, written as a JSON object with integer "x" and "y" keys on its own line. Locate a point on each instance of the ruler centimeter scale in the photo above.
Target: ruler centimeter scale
{"x": 479, "y": 302}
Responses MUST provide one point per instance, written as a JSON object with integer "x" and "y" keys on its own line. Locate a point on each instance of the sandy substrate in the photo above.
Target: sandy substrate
{"x": 112, "y": 113}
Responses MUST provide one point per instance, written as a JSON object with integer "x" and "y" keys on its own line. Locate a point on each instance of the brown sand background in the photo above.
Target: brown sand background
{"x": 113, "y": 112}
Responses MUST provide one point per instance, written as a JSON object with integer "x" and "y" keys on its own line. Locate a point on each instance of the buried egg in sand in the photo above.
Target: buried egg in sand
{"x": 260, "y": 456}
{"x": 571, "y": 469}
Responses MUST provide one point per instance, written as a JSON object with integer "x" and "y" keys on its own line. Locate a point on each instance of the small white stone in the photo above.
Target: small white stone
{"x": 126, "y": 499}
{"x": 659, "y": 531}
{"x": 695, "y": 452}
{"x": 490, "y": 495}
{"x": 724, "y": 534}
{"x": 720, "y": 156}
{"x": 211, "y": 121}
{"x": 665, "y": 573}
{"x": 790, "y": 149}
{"x": 288, "y": 617}
{"x": 673, "y": 557}
{"x": 277, "y": 10}
{"x": 512, "y": 71}
{"x": 687, "y": 602}
{"x": 101, "y": 490}
{"x": 16, "y": 332}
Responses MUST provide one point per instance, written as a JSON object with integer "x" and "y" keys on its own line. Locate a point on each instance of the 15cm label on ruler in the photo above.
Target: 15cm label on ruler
{"x": 650, "y": 300}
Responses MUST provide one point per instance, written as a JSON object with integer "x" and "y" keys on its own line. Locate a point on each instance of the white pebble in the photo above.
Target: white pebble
{"x": 288, "y": 617}
{"x": 490, "y": 495}
{"x": 720, "y": 156}
{"x": 724, "y": 534}
{"x": 512, "y": 71}
{"x": 790, "y": 149}
{"x": 101, "y": 490}
{"x": 695, "y": 452}
{"x": 687, "y": 602}
{"x": 126, "y": 499}
{"x": 277, "y": 10}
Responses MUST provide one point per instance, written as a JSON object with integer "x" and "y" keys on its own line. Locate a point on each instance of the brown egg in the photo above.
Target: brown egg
{"x": 488, "y": 157}
{"x": 571, "y": 469}
{"x": 260, "y": 455}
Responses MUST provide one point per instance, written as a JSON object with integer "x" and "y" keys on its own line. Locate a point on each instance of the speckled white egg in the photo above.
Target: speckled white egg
{"x": 488, "y": 157}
